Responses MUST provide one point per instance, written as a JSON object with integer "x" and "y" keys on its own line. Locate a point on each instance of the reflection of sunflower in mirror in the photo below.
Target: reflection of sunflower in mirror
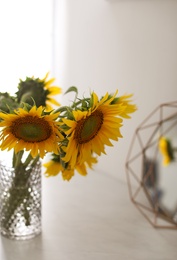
{"x": 31, "y": 130}
{"x": 89, "y": 131}
{"x": 39, "y": 90}
{"x": 166, "y": 150}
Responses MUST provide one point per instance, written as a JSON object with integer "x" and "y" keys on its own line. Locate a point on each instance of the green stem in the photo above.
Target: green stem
{"x": 17, "y": 159}
{"x": 30, "y": 159}
{"x": 19, "y": 193}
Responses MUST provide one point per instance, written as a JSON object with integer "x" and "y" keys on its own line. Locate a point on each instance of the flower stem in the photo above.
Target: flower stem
{"x": 19, "y": 192}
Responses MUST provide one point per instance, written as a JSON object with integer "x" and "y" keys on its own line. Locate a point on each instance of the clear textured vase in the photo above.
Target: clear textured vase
{"x": 20, "y": 202}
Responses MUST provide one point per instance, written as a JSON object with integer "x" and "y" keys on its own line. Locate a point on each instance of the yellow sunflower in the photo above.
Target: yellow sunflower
{"x": 82, "y": 168}
{"x": 54, "y": 167}
{"x": 129, "y": 108}
{"x": 40, "y": 91}
{"x": 51, "y": 91}
{"x": 89, "y": 131}
{"x": 166, "y": 150}
{"x": 30, "y": 130}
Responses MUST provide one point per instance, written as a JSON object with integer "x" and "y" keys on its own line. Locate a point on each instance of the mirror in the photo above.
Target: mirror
{"x": 153, "y": 185}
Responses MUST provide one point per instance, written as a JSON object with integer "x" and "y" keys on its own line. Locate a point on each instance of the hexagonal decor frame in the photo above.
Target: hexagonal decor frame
{"x": 142, "y": 168}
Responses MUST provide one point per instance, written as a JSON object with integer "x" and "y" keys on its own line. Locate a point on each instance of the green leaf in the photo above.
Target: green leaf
{"x": 63, "y": 109}
{"x": 72, "y": 89}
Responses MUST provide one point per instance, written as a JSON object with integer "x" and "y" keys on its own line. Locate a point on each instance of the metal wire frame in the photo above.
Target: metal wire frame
{"x": 144, "y": 182}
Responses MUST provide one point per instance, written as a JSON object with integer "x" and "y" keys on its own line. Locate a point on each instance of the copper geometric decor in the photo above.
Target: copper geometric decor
{"x": 152, "y": 186}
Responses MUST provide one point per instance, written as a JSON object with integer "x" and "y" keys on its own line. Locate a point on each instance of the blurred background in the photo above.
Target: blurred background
{"x": 100, "y": 45}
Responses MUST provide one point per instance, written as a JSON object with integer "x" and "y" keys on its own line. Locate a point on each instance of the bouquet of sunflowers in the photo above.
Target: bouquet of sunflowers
{"x": 73, "y": 135}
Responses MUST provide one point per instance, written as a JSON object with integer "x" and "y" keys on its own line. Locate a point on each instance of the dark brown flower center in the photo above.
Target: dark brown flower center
{"x": 31, "y": 129}
{"x": 87, "y": 128}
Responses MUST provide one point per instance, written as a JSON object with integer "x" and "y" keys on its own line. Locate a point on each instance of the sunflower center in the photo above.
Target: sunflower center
{"x": 31, "y": 129}
{"x": 87, "y": 128}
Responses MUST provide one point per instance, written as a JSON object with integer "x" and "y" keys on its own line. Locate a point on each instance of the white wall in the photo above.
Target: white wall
{"x": 129, "y": 45}
{"x": 26, "y": 41}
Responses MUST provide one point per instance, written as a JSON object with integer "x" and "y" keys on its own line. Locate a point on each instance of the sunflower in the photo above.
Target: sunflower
{"x": 32, "y": 130}
{"x": 7, "y": 102}
{"x": 89, "y": 131}
{"x": 54, "y": 167}
{"x": 51, "y": 91}
{"x": 166, "y": 150}
{"x": 39, "y": 91}
{"x": 129, "y": 108}
{"x": 82, "y": 168}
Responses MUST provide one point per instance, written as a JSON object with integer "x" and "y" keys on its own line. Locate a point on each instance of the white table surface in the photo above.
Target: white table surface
{"x": 91, "y": 218}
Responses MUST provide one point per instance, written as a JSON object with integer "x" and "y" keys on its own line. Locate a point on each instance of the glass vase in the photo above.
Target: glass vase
{"x": 20, "y": 202}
